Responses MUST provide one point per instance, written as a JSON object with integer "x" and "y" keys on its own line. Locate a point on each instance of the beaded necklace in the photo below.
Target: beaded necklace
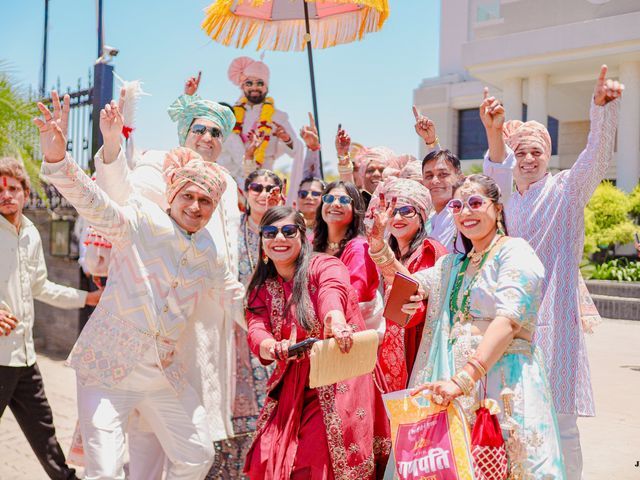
{"x": 461, "y": 313}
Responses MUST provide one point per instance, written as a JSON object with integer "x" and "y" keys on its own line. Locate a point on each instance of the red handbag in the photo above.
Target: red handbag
{"x": 487, "y": 445}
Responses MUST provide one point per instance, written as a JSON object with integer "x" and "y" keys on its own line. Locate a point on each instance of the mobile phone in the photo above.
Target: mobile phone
{"x": 403, "y": 288}
{"x": 300, "y": 347}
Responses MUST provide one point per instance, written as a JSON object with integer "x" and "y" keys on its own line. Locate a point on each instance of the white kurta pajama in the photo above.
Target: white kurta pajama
{"x": 233, "y": 148}
{"x": 550, "y": 216}
{"x": 157, "y": 277}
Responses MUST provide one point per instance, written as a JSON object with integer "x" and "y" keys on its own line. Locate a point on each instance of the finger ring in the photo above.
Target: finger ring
{"x": 438, "y": 399}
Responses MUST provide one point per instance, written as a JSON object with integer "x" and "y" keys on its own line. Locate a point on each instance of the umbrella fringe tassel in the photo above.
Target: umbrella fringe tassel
{"x": 227, "y": 28}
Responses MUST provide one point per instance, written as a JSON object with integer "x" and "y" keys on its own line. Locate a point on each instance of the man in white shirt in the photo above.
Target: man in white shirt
{"x": 440, "y": 171}
{"x": 23, "y": 277}
{"x": 257, "y": 121}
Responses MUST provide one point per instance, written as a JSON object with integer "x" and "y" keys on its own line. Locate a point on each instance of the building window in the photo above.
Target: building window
{"x": 472, "y": 139}
{"x": 487, "y": 10}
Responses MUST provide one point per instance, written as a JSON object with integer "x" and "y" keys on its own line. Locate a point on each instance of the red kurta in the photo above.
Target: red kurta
{"x": 335, "y": 432}
{"x": 400, "y": 345}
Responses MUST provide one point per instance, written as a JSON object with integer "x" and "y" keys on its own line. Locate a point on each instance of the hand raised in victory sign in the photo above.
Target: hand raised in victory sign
{"x": 379, "y": 219}
{"x": 606, "y": 90}
{"x": 343, "y": 142}
{"x": 309, "y": 134}
{"x": 112, "y": 121}
{"x": 425, "y": 128}
{"x": 192, "y": 84}
{"x": 53, "y": 129}
{"x": 492, "y": 112}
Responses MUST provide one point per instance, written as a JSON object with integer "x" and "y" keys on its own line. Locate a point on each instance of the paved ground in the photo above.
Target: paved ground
{"x": 611, "y": 441}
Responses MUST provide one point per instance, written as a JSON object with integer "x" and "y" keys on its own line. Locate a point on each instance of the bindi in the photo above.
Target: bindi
{"x": 4, "y": 182}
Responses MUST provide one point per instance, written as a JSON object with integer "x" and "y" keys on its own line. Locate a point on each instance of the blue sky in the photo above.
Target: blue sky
{"x": 367, "y": 86}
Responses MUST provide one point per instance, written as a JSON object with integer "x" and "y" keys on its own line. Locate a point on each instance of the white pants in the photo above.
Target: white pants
{"x": 178, "y": 421}
{"x": 570, "y": 442}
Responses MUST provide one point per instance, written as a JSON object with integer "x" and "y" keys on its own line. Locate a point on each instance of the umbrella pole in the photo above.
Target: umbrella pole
{"x": 313, "y": 79}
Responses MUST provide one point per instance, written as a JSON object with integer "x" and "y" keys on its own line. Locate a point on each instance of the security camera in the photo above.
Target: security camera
{"x": 111, "y": 51}
{"x": 107, "y": 54}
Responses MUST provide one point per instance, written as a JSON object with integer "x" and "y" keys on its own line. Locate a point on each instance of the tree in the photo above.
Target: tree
{"x": 18, "y": 136}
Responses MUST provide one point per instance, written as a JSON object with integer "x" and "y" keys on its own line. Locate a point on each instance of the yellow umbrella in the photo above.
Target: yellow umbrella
{"x": 293, "y": 25}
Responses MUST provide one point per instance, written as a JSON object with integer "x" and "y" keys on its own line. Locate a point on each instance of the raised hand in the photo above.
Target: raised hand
{"x": 425, "y": 128}
{"x": 309, "y": 134}
{"x": 53, "y": 138}
{"x": 275, "y": 198}
{"x": 492, "y": 112}
{"x": 192, "y": 84}
{"x": 112, "y": 121}
{"x": 255, "y": 139}
{"x": 281, "y": 133}
{"x": 343, "y": 142}
{"x": 379, "y": 219}
{"x": 606, "y": 90}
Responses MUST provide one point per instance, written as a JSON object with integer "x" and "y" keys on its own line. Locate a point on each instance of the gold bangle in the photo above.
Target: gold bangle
{"x": 463, "y": 380}
{"x": 434, "y": 143}
{"x": 344, "y": 158}
{"x": 345, "y": 168}
{"x": 478, "y": 366}
{"x": 382, "y": 257}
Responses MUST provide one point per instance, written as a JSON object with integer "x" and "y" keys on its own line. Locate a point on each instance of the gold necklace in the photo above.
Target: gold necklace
{"x": 333, "y": 245}
{"x": 476, "y": 257}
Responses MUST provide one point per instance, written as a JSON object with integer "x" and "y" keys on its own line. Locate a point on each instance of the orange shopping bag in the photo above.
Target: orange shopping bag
{"x": 430, "y": 442}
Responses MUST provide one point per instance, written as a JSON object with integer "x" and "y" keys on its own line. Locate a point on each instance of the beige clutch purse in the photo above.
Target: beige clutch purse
{"x": 329, "y": 365}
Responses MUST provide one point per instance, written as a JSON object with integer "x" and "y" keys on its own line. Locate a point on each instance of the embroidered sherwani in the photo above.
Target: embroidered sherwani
{"x": 233, "y": 148}
{"x": 158, "y": 276}
{"x": 550, "y": 216}
{"x": 215, "y": 382}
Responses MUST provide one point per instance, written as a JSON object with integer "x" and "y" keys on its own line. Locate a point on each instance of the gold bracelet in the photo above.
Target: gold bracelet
{"x": 344, "y": 158}
{"x": 478, "y": 366}
{"x": 345, "y": 168}
{"x": 434, "y": 143}
{"x": 382, "y": 257}
{"x": 463, "y": 380}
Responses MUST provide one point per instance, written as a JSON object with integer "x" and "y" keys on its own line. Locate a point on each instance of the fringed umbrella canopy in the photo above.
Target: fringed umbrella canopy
{"x": 281, "y": 24}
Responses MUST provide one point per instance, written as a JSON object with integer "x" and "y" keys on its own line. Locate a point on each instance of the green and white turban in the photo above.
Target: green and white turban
{"x": 189, "y": 107}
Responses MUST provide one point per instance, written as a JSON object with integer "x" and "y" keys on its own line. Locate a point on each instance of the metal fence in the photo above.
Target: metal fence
{"x": 78, "y": 139}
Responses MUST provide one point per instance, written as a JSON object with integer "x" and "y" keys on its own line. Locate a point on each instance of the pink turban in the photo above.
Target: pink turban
{"x": 366, "y": 155}
{"x": 183, "y": 166}
{"x": 403, "y": 166}
{"x": 516, "y": 132}
{"x": 243, "y": 67}
{"x": 407, "y": 191}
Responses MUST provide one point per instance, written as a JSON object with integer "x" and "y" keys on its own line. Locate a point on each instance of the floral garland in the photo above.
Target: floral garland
{"x": 264, "y": 125}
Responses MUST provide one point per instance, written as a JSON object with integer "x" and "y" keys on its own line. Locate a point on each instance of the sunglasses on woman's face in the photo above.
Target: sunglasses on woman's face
{"x": 200, "y": 130}
{"x": 474, "y": 202}
{"x": 406, "y": 212}
{"x": 305, "y": 193}
{"x": 271, "y": 231}
{"x": 330, "y": 198}
{"x": 258, "y": 187}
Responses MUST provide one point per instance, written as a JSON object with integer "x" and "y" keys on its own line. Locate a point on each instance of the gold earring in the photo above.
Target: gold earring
{"x": 265, "y": 259}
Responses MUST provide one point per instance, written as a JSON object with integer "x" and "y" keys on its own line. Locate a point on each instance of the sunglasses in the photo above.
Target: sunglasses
{"x": 406, "y": 212}
{"x": 270, "y": 231}
{"x": 305, "y": 193}
{"x": 200, "y": 130}
{"x": 330, "y": 198}
{"x": 258, "y": 187}
{"x": 474, "y": 202}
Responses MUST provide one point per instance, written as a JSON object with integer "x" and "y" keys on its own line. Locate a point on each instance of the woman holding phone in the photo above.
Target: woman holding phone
{"x": 337, "y": 431}
{"x": 402, "y": 210}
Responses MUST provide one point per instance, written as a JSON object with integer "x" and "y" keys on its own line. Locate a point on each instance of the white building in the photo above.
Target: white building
{"x": 542, "y": 58}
